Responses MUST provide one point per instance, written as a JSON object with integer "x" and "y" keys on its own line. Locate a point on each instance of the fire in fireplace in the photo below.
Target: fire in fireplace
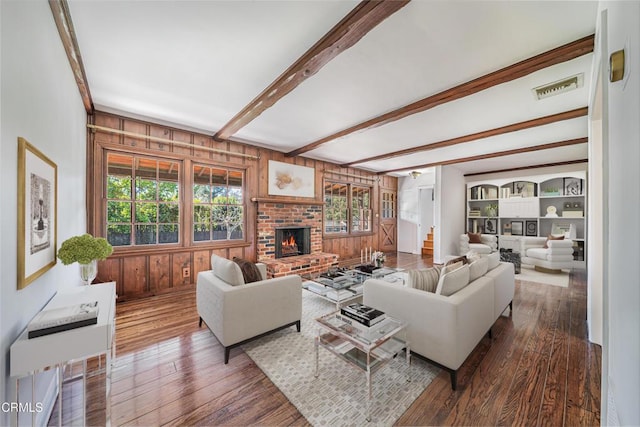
{"x": 292, "y": 241}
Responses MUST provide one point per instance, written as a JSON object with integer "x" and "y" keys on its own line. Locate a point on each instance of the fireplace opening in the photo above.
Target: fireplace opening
{"x": 292, "y": 241}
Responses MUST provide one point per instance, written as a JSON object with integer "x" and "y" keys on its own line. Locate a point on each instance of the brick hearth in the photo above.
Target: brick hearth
{"x": 298, "y": 214}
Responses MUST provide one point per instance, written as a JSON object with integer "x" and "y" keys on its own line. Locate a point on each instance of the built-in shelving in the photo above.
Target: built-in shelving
{"x": 535, "y": 206}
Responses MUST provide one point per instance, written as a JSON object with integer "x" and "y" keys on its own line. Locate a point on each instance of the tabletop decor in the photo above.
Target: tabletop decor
{"x": 37, "y": 210}
{"x": 86, "y": 250}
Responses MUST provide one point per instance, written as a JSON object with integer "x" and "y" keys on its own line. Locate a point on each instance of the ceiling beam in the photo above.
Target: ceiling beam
{"x": 543, "y": 165}
{"x": 540, "y": 121}
{"x": 549, "y": 146}
{"x": 556, "y": 56}
{"x": 362, "y": 19}
{"x": 62, "y": 18}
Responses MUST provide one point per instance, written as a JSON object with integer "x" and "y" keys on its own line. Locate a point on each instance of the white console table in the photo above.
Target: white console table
{"x": 30, "y": 356}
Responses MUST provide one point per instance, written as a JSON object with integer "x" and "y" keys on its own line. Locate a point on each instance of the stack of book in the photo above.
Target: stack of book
{"x": 475, "y": 212}
{"x": 62, "y": 319}
{"x": 362, "y": 314}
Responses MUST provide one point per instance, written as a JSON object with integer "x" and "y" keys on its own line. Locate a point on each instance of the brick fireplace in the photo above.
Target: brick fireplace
{"x": 273, "y": 216}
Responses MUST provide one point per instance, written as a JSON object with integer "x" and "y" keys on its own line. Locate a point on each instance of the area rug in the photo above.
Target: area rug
{"x": 338, "y": 397}
{"x": 529, "y": 274}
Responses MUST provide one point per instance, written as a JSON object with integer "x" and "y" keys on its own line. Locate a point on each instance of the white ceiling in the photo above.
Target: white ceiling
{"x": 196, "y": 64}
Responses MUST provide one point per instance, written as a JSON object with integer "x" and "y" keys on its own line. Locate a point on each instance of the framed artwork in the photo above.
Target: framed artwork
{"x": 37, "y": 213}
{"x": 516, "y": 228}
{"x": 491, "y": 225}
{"x": 531, "y": 228}
{"x": 572, "y": 186}
{"x": 286, "y": 179}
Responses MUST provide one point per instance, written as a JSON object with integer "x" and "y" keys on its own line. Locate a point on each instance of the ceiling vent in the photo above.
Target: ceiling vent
{"x": 561, "y": 86}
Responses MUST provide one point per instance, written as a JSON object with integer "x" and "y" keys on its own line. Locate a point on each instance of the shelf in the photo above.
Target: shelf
{"x": 483, "y": 200}
{"x": 569, "y": 196}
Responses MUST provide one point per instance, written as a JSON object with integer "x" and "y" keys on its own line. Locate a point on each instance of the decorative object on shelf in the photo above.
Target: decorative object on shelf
{"x": 572, "y": 210}
{"x": 491, "y": 226}
{"x": 531, "y": 228}
{"x": 37, "y": 207}
{"x": 415, "y": 174}
{"x": 86, "y": 250}
{"x": 572, "y": 186}
{"x": 491, "y": 210}
{"x": 507, "y": 229}
{"x": 551, "y": 191}
{"x": 516, "y": 228}
{"x": 378, "y": 258}
{"x": 551, "y": 212}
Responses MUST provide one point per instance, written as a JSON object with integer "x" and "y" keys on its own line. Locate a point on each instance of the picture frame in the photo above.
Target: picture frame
{"x": 37, "y": 213}
{"x": 531, "y": 228}
{"x": 572, "y": 186}
{"x": 516, "y": 228}
{"x": 491, "y": 226}
{"x": 286, "y": 179}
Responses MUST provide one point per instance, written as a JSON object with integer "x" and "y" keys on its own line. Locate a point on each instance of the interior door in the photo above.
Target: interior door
{"x": 387, "y": 233}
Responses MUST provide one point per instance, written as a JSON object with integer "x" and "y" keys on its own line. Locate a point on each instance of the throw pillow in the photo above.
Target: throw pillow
{"x": 493, "y": 259}
{"x": 474, "y": 238}
{"x": 463, "y": 259}
{"x": 552, "y": 237}
{"x": 250, "y": 271}
{"x": 472, "y": 256}
{"x": 453, "y": 281}
{"x": 478, "y": 268}
{"x": 425, "y": 280}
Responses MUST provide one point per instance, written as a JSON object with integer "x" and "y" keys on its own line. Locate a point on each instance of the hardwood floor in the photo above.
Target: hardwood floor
{"x": 538, "y": 369}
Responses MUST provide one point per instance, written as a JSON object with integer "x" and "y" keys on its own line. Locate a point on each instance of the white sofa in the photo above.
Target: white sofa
{"x": 445, "y": 329}
{"x": 489, "y": 244}
{"x": 237, "y": 312}
{"x": 557, "y": 256}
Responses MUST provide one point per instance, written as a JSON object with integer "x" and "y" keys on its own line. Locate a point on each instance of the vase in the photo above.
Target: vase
{"x": 89, "y": 271}
{"x": 379, "y": 263}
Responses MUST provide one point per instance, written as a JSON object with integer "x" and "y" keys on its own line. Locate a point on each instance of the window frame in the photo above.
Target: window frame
{"x": 242, "y": 205}
{"x": 185, "y": 201}
{"x": 350, "y": 187}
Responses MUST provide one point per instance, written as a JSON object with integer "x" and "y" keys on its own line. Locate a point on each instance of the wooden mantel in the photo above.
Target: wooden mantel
{"x": 286, "y": 201}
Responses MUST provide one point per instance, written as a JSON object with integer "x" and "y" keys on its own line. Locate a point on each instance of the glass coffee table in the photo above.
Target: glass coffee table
{"x": 338, "y": 285}
{"x": 367, "y": 349}
{"x": 342, "y": 285}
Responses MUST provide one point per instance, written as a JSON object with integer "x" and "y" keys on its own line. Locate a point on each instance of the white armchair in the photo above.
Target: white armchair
{"x": 489, "y": 244}
{"x": 237, "y": 312}
{"x": 557, "y": 256}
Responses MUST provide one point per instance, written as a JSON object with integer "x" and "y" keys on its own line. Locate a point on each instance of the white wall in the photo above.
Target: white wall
{"x": 409, "y": 221}
{"x": 40, "y": 101}
{"x": 449, "y": 211}
{"x": 621, "y": 349}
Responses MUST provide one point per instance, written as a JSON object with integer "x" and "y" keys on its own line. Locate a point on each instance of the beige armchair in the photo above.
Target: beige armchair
{"x": 489, "y": 244}
{"x": 237, "y": 312}
{"x": 556, "y": 256}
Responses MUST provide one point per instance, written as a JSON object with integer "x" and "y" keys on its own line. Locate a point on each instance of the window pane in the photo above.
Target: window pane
{"x": 168, "y": 171}
{"x": 118, "y": 212}
{"x": 146, "y": 234}
{"x": 119, "y": 187}
{"x": 145, "y": 189}
{"x": 235, "y": 187}
{"x": 168, "y": 191}
{"x": 146, "y": 212}
{"x": 168, "y": 233}
{"x": 201, "y": 231}
{"x": 168, "y": 212}
{"x": 201, "y": 214}
{"x": 119, "y": 234}
{"x": 201, "y": 193}
{"x": 219, "y": 180}
{"x": 336, "y": 208}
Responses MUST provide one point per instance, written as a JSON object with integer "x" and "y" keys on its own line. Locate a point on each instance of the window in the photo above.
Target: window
{"x": 142, "y": 200}
{"x": 388, "y": 204}
{"x": 347, "y": 208}
{"x": 218, "y": 204}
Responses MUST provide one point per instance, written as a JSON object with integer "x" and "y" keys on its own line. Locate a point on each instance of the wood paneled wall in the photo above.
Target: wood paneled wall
{"x": 140, "y": 272}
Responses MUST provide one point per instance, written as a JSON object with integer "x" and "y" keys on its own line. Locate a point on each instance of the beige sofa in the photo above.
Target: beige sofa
{"x": 445, "y": 329}
{"x": 237, "y": 312}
